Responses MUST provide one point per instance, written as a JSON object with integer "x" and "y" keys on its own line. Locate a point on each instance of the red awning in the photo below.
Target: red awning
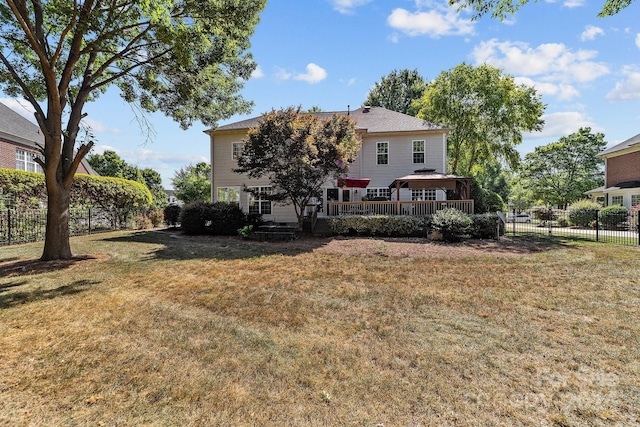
{"x": 353, "y": 182}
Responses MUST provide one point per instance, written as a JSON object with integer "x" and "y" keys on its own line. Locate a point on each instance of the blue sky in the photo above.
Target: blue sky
{"x": 329, "y": 53}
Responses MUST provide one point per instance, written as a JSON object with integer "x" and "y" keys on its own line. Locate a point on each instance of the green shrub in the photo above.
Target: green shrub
{"x": 612, "y": 217}
{"x": 542, "y": 213}
{"x": 224, "y": 218}
{"x": 172, "y": 215}
{"x": 193, "y": 218}
{"x": 583, "y": 213}
{"x": 454, "y": 224}
{"x": 377, "y": 225}
{"x": 485, "y": 226}
{"x": 142, "y": 222}
{"x": 156, "y": 217}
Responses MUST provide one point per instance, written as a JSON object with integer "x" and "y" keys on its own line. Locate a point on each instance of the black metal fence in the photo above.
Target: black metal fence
{"x": 621, "y": 228}
{"x": 29, "y": 225}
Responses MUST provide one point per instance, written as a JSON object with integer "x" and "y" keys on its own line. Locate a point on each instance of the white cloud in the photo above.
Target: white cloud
{"x": 349, "y": 82}
{"x": 591, "y": 32}
{"x": 629, "y": 88}
{"x": 97, "y": 127}
{"x": 562, "y": 124}
{"x": 347, "y": 7}
{"x": 439, "y": 21}
{"x": 573, "y": 3}
{"x": 549, "y": 63}
{"x": 282, "y": 74}
{"x": 638, "y": 40}
{"x": 257, "y": 73}
{"x": 562, "y": 92}
{"x": 21, "y": 107}
{"x": 314, "y": 74}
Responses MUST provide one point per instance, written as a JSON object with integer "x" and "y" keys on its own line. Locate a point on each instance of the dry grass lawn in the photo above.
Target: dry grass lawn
{"x": 155, "y": 329}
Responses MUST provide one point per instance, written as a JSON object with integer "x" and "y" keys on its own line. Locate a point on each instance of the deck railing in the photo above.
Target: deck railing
{"x": 402, "y": 207}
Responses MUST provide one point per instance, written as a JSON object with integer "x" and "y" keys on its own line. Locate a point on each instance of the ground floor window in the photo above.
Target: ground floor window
{"x": 635, "y": 200}
{"x": 423, "y": 194}
{"x": 229, "y": 194}
{"x": 617, "y": 200}
{"x": 258, "y": 203}
{"x": 378, "y": 192}
{"x": 25, "y": 161}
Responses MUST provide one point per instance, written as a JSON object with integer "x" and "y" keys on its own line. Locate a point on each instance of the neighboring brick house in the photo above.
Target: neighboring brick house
{"x": 402, "y": 163}
{"x": 622, "y": 175}
{"x": 18, "y": 139}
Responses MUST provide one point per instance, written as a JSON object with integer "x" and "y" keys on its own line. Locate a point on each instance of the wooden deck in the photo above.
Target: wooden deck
{"x": 402, "y": 207}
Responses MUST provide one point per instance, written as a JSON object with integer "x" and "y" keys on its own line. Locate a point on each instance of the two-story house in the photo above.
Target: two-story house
{"x": 402, "y": 159}
{"x": 19, "y": 140}
{"x": 622, "y": 175}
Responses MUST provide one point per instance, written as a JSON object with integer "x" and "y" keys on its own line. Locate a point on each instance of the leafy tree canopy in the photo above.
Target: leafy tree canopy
{"x": 298, "y": 152}
{"x": 502, "y": 8}
{"x": 487, "y": 111}
{"x": 109, "y": 163}
{"x": 559, "y": 173}
{"x": 186, "y": 58}
{"x": 193, "y": 183}
{"x": 397, "y": 91}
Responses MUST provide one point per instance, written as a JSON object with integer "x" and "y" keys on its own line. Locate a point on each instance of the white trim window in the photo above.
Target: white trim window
{"x": 236, "y": 150}
{"x": 259, "y": 204}
{"x": 423, "y": 194}
{"x": 229, "y": 195}
{"x": 617, "y": 200}
{"x": 418, "y": 151}
{"x": 635, "y": 200}
{"x": 25, "y": 161}
{"x": 378, "y": 192}
{"x": 382, "y": 153}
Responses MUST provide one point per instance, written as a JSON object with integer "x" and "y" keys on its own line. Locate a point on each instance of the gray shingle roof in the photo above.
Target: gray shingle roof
{"x": 634, "y": 140}
{"x": 16, "y": 128}
{"x": 373, "y": 120}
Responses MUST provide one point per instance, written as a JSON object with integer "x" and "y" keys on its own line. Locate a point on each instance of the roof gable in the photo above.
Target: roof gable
{"x": 16, "y": 128}
{"x": 369, "y": 119}
{"x": 632, "y": 144}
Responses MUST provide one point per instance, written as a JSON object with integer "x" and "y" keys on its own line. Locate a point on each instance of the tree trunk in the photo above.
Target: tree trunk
{"x": 56, "y": 244}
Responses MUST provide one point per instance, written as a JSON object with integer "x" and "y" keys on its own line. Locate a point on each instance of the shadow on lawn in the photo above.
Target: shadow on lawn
{"x": 178, "y": 246}
{"x": 35, "y": 266}
{"x": 12, "y": 299}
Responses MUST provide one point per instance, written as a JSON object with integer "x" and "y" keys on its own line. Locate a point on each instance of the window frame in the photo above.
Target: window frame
{"x": 424, "y": 194}
{"x": 377, "y": 192}
{"x": 27, "y": 161}
{"x": 385, "y": 153}
{"x": 616, "y": 197}
{"x": 637, "y": 199}
{"x": 236, "y": 150}
{"x": 422, "y": 153}
{"x": 227, "y": 192}
{"x": 263, "y": 205}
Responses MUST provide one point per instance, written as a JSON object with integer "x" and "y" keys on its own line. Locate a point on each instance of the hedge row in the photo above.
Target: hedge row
{"x": 452, "y": 223}
{"x": 28, "y": 190}
{"x": 217, "y": 218}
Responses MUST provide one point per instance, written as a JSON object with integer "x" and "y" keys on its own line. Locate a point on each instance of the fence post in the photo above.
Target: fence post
{"x": 638, "y": 225}
{"x": 9, "y": 224}
{"x": 89, "y": 220}
{"x": 514, "y": 221}
{"x": 550, "y": 220}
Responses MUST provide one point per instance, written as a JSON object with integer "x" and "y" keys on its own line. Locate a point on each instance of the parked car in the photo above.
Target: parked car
{"x": 521, "y": 217}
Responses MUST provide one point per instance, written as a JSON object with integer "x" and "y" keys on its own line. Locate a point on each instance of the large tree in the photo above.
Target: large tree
{"x": 193, "y": 183}
{"x": 186, "y": 58}
{"x": 488, "y": 112}
{"x": 298, "y": 152}
{"x": 559, "y": 173}
{"x": 502, "y": 8}
{"x": 397, "y": 91}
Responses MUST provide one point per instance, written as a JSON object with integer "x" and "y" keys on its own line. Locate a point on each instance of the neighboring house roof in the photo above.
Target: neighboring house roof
{"x": 631, "y": 144}
{"x": 369, "y": 119}
{"x": 15, "y": 128}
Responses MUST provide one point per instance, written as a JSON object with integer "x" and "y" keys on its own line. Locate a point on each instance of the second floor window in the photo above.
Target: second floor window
{"x": 236, "y": 150}
{"x": 25, "y": 161}
{"x": 418, "y": 151}
{"x": 382, "y": 153}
